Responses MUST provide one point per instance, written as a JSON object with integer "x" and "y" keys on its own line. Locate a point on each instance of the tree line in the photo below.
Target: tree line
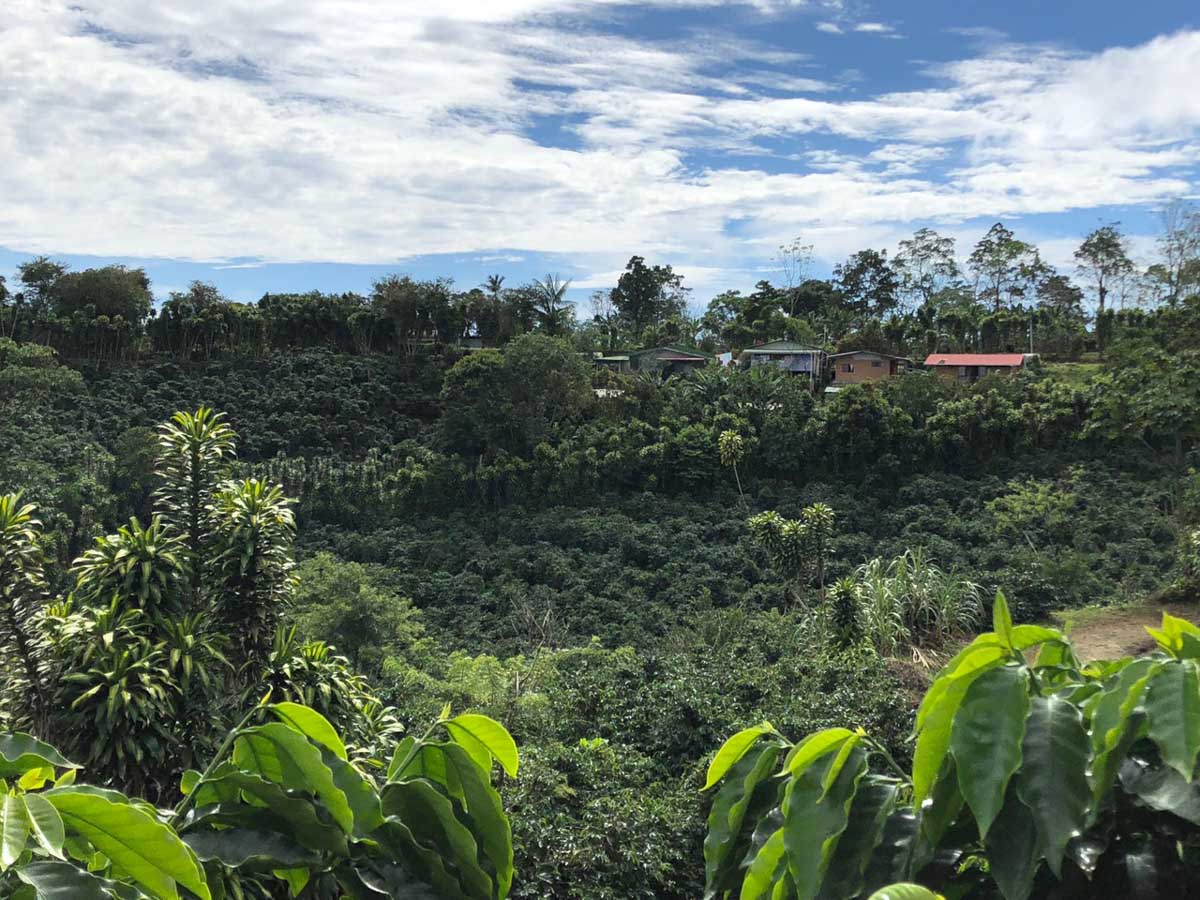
{"x": 1004, "y": 298}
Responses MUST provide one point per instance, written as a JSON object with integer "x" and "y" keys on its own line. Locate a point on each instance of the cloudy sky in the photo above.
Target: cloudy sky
{"x": 292, "y": 145}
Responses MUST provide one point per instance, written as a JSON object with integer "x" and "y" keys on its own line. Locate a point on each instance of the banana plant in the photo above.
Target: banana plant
{"x": 1029, "y": 778}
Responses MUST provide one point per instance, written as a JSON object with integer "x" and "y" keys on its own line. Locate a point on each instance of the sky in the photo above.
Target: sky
{"x": 287, "y": 146}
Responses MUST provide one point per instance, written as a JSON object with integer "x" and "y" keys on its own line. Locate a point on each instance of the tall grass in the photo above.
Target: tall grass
{"x": 910, "y": 601}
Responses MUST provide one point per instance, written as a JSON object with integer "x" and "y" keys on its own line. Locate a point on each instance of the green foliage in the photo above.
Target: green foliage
{"x": 279, "y": 807}
{"x": 1054, "y": 774}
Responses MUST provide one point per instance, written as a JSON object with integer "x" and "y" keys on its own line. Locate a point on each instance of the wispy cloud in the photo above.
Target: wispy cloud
{"x": 341, "y": 131}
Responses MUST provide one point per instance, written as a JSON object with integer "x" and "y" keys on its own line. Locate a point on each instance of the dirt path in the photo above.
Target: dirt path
{"x": 1112, "y": 632}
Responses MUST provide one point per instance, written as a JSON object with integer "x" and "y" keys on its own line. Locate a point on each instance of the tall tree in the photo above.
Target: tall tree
{"x": 1103, "y": 259}
{"x": 925, "y": 264}
{"x": 1179, "y": 247}
{"x": 646, "y": 295}
{"x": 554, "y": 311}
{"x": 868, "y": 284}
{"x": 1005, "y": 268}
{"x": 39, "y": 276}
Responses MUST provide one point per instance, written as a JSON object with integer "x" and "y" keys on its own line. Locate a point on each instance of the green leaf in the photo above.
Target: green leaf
{"x": 488, "y": 822}
{"x": 1002, "y": 619}
{"x": 873, "y": 802}
{"x": 21, "y": 752}
{"x": 240, "y": 847}
{"x": 430, "y": 818}
{"x": 270, "y": 807}
{"x": 1012, "y": 849}
{"x": 311, "y": 724}
{"x": 45, "y": 824}
{"x": 472, "y": 730}
{"x": 188, "y": 781}
{"x": 728, "y": 813}
{"x": 1161, "y": 787}
{"x": 814, "y": 818}
{"x": 1173, "y": 715}
{"x": 733, "y": 750}
{"x": 424, "y": 862}
{"x": 64, "y": 881}
{"x": 936, "y": 714}
{"x": 986, "y": 740}
{"x": 815, "y": 746}
{"x": 360, "y": 794}
{"x": 766, "y": 869}
{"x": 140, "y": 847}
{"x": 287, "y": 758}
{"x": 905, "y": 891}
{"x": 1025, "y": 636}
{"x": 1111, "y": 714}
{"x": 894, "y": 856}
{"x": 403, "y": 749}
{"x": 14, "y": 829}
{"x": 1053, "y": 781}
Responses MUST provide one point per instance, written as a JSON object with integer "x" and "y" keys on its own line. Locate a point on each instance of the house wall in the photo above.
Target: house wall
{"x": 866, "y": 369}
{"x": 973, "y": 373}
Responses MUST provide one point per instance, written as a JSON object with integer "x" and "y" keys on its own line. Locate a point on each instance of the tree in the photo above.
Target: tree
{"x": 22, "y": 588}
{"x": 109, "y": 291}
{"x": 39, "y": 277}
{"x": 1103, "y": 259}
{"x": 1005, "y": 268}
{"x": 1053, "y": 778}
{"x": 868, "y": 284}
{"x": 926, "y": 263}
{"x": 340, "y": 603}
{"x": 647, "y": 295}
{"x": 1179, "y": 249}
{"x": 554, "y": 312}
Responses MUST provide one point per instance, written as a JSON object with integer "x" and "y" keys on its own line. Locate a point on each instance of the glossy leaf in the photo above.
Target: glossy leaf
{"x": 1002, "y": 623}
{"x": 815, "y": 746}
{"x": 430, "y": 817}
{"x": 19, "y": 753}
{"x": 236, "y": 847}
{"x": 768, "y": 866}
{"x": 488, "y": 821}
{"x": 14, "y": 829}
{"x": 45, "y": 824}
{"x": 311, "y": 724}
{"x": 1012, "y": 849}
{"x": 64, "y": 881}
{"x": 139, "y": 846}
{"x": 814, "y": 818}
{"x": 873, "y": 803}
{"x": 905, "y": 891}
{"x": 935, "y": 717}
{"x": 1173, "y": 715}
{"x": 1053, "y": 782}
{"x": 287, "y": 758}
{"x": 986, "y": 740}
{"x": 472, "y": 731}
{"x": 733, "y": 750}
{"x": 727, "y": 815}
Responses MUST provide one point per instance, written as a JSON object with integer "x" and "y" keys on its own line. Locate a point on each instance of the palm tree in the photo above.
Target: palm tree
{"x": 550, "y": 303}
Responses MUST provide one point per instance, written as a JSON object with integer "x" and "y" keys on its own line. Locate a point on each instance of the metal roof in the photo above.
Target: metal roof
{"x": 976, "y": 359}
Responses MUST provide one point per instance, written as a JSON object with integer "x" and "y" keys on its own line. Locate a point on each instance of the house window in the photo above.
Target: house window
{"x": 877, "y": 364}
{"x": 847, "y": 367}
{"x": 962, "y": 371}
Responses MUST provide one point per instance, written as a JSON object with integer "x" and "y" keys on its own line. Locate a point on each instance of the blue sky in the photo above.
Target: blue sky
{"x": 289, "y": 146}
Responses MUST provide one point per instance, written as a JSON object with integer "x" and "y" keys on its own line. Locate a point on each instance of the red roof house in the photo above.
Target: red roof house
{"x": 973, "y": 366}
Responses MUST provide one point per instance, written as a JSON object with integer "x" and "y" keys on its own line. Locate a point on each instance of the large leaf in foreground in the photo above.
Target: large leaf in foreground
{"x": 140, "y": 847}
{"x": 986, "y": 740}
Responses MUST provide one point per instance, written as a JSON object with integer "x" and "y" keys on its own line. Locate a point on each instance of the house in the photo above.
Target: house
{"x": 666, "y": 361}
{"x": 790, "y": 356}
{"x": 859, "y": 366}
{"x": 969, "y": 367}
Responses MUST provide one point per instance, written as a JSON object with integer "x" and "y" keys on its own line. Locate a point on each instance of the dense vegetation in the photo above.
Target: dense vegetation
{"x": 622, "y": 580}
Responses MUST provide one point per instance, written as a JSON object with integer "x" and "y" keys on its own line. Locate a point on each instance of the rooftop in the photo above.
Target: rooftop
{"x": 975, "y": 359}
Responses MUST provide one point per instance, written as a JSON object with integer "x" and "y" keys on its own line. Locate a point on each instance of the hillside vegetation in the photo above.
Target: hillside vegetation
{"x": 332, "y": 498}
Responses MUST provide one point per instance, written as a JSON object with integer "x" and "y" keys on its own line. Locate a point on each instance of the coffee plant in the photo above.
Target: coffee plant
{"x": 1032, "y": 775}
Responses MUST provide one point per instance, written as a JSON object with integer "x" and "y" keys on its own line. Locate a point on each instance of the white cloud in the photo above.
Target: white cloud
{"x": 829, "y": 27}
{"x": 339, "y": 130}
{"x": 873, "y": 28}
